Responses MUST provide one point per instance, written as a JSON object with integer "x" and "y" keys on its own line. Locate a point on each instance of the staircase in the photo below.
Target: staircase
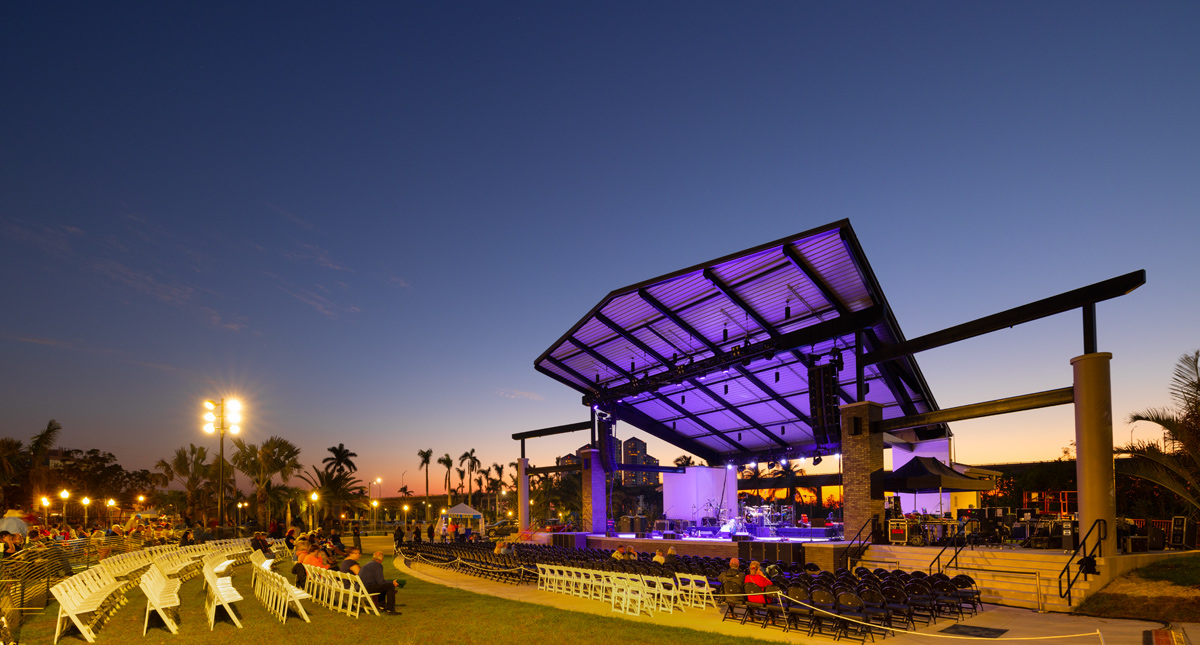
{"x": 997, "y": 588}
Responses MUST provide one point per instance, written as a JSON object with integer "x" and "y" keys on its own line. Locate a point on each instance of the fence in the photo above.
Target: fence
{"x": 26, "y": 576}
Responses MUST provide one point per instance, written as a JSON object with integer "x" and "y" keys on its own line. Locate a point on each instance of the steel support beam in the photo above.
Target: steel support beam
{"x": 737, "y": 301}
{"x": 1049, "y": 398}
{"x": 1091, "y": 294}
{"x": 679, "y": 322}
{"x": 738, "y": 413}
{"x": 546, "y": 432}
{"x": 545, "y": 470}
{"x": 698, "y": 421}
{"x": 656, "y": 428}
{"x": 801, "y": 265}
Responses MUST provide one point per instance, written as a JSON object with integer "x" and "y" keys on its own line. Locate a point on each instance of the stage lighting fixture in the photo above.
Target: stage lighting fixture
{"x": 783, "y": 462}
{"x": 752, "y": 465}
{"x": 817, "y": 460}
{"x": 771, "y": 464}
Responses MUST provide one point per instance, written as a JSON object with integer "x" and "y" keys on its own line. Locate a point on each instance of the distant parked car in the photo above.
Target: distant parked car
{"x": 501, "y": 529}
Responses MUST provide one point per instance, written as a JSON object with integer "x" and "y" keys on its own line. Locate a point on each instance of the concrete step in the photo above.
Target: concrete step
{"x": 1016, "y": 586}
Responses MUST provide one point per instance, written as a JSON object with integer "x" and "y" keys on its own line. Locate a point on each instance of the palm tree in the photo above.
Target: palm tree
{"x": 1175, "y": 467}
{"x": 12, "y": 464}
{"x": 683, "y": 461}
{"x": 425, "y": 456}
{"x": 447, "y": 461}
{"x": 188, "y": 466}
{"x": 39, "y": 459}
{"x": 340, "y": 459}
{"x": 276, "y": 456}
{"x": 472, "y": 462}
{"x": 335, "y": 489}
{"x": 462, "y": 474}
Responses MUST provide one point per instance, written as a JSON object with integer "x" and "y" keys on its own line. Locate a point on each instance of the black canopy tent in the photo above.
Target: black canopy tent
{"x": 928, "y": 475}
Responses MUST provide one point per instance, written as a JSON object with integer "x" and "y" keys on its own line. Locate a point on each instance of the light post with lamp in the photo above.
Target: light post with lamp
{"x": 406, "y": 514}
{"x": 216, "y": 418}
{"x": 375, "y": 513}
{"x": 46, "y": 509}
{"x": 313, "y": 508}
{"x": 85, "y": 501}
{"x": 110, "y": 504}
{"x": 141, "y": 503}
{"x": 64, "y": 494}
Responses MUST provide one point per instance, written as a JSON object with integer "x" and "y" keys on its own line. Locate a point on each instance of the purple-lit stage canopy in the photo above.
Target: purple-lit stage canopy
{"x": 715, "y": 358}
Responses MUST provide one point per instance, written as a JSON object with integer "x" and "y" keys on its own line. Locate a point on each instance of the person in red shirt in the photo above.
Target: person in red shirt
{"x": 755, "y": 575}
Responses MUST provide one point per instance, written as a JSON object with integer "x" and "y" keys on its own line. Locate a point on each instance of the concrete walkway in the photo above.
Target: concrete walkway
{"x": 1020, "y": 623}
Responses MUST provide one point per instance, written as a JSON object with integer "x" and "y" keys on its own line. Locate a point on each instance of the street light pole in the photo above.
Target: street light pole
{"x": 85, "y": 501}
{"x": 64, "y": 495}
{"x": 313, "y": 510}
{"x": 217, "y": 415}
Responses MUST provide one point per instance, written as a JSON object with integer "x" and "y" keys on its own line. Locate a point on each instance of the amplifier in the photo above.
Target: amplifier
{"x": 740, "y": 537}
{"x": 670, "y": 535}
{"x": 1157, "y": 538}
{"x": 1183, "y": 533}
{"x": 1137, "y": 544}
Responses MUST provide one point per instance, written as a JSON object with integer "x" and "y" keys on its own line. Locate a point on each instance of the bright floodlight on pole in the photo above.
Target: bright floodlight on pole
{"x": 85, "y": 501}
{"x": 64, "y": 494}
{"x": 219, "y": 417}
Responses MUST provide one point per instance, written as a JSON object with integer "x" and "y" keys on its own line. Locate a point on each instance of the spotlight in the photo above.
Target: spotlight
{"x": 728, "y": 466}
{"x": 771, "y": 464}
{"x": 783, "y": 462}
{"x": 817, "y": 460}
{"x": 752, "y": 465}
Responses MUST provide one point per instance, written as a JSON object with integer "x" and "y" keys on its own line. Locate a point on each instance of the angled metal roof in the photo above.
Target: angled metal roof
{"x": 714, "y": 358}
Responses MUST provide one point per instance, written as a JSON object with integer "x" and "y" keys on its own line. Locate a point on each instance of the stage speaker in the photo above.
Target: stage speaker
{"x": 610, "y": 446}
{"x": 740, "y": 537}
{"x": 770, "y": 551}
{"x": 744, "y": 551}
{"x": 825, "y": 417}
{"x": 640, "y": 536}
{"x": 624, "y": 525}
{"x": 756, "y": 551}
{"x": 1156, "y": 538}
{"x": 670, "y": 535}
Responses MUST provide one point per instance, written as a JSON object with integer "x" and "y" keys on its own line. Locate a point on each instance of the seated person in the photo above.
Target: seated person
{"x": 619, "y": 554}
{"x": 659, "y": 557}
{"x": 732, "y": 574}
{"x": 755, "y": 575}
{"x": 670, "y": 557}
{"x": 371, "y": 574}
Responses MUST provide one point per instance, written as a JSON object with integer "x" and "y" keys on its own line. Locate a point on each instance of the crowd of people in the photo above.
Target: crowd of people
{"x": 447, "y": 530}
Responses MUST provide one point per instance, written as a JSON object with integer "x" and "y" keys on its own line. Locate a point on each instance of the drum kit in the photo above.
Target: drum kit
{"x": 757, "y": 520}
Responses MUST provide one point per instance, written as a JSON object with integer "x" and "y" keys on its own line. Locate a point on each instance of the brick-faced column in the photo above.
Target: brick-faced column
{"x": 595, "y": 497}
{"x": 862, "y": 465}
{"x": 522, "y": 494}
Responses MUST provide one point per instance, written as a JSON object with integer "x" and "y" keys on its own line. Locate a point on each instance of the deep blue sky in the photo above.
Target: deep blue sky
{"x": 368, "y": 220}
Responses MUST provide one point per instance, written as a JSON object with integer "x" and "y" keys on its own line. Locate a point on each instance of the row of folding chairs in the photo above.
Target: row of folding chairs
{"x": 337, "y": 591}
{"x": 162, "y": 595}
{"x": 134, "y": 562}
{"x": 88, "y": 599}
{"x": 626, "y": 593}
{"x": 278, "y": 594}
{"x": 220, "y": 592}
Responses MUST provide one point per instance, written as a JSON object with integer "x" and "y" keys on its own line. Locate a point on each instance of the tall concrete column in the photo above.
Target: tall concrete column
{"x": 862, "y": 465}
{"x": 522, "y": 494}
{"x": 595, "y": 494}
{"x": 1094, "y": 447}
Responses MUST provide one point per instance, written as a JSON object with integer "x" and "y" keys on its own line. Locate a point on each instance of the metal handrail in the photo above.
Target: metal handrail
{"x": 851, "y": 554}
{"x": 1097, "y": 550}
{"x": 1041, "y": 605}
{"x": 938, "y": 560}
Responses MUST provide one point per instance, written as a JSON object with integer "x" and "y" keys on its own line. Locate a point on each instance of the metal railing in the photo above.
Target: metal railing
{"x": 1041, "y": 604}
{"x": 1085, "y": 563}
{"x": 854, "y": 552}
{"x": 958, "y": 547}
{"x": 27, "y": 575}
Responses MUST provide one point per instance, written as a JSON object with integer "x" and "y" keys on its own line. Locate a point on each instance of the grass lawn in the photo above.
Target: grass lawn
{"x": 1183, "y": 571}
{"x": 430, "y": 614}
